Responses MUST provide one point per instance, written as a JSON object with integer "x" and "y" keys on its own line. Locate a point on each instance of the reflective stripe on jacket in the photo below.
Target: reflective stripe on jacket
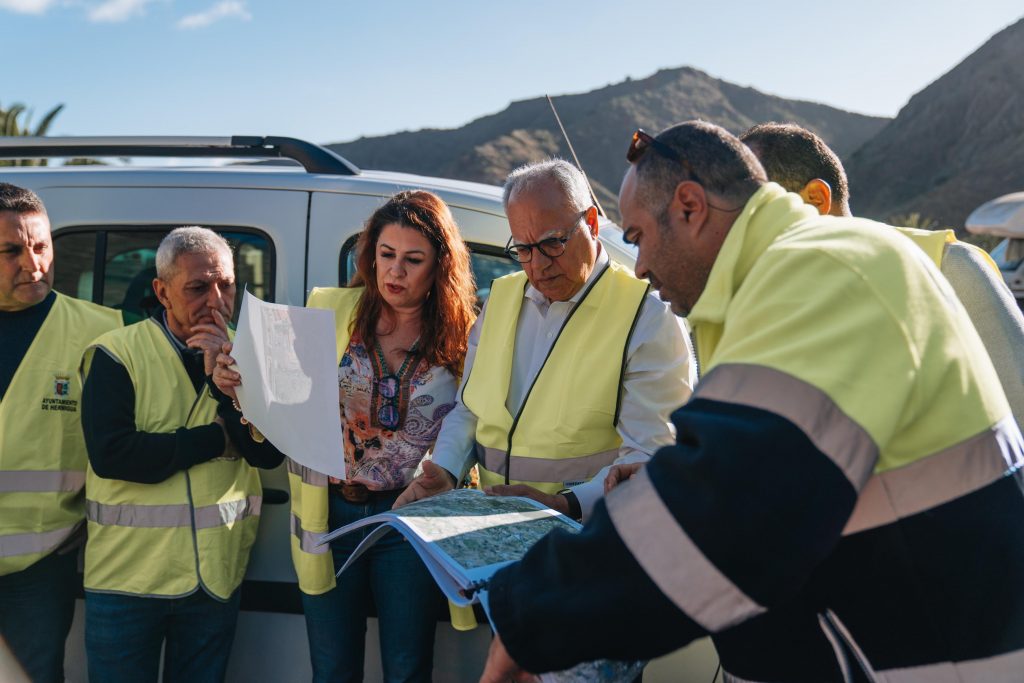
{"x": 565, "y": 429}
{"x": 42, "y": 451}
{"x": 195, "y": 528}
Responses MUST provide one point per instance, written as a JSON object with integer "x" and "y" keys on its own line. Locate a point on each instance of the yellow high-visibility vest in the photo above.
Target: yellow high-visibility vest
{"x": 565, "y": 430}
{"x": 934, "y": 242}
{"x": 313, "y": 564}
{"x": 42, "y": 451}
{"x": 194, "y": 529}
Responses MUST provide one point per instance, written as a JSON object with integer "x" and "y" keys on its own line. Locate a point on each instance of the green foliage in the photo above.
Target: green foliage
{"x": 11, "y": 126}
{"x": 84, "y": 161}
{"x": 913, "y": 219}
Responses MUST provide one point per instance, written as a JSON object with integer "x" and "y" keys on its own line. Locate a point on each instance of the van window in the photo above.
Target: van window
{"x": 116, "y": 267}
{"x": 489, "y": 266}
{"x": 999, "y": 255}
{"x": 487, "y": 263}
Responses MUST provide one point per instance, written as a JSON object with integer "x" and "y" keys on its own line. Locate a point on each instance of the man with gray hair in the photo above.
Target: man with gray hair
{"x": 172, "y": 509}
{"x": 573, "y": 365}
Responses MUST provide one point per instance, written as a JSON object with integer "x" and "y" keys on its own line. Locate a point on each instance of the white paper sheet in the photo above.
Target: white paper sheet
{"x": 287, "y": 357}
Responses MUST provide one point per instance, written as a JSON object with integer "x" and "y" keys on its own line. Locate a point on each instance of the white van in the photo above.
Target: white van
{"x": 292, "y": 228}
{"x": 1004, "y": 217}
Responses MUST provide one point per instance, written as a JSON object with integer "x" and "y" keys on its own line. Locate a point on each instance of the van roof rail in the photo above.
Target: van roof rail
{"x": 314, "y": 158}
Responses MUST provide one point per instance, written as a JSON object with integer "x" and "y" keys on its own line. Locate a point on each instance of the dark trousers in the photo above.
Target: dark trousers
{"x": 37, "y": 605}
{"x": 405, "y": 595}
{"x": 124, "y": 633}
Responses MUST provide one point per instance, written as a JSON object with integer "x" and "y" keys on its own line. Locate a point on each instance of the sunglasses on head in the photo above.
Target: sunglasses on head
{"x": 642, "y": 141}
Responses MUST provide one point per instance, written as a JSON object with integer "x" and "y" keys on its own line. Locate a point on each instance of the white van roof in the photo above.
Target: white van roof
{"x": 1003, "y": 217}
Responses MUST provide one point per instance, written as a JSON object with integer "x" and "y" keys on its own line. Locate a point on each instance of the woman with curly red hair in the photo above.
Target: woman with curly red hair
{"x": 403, "y": 325}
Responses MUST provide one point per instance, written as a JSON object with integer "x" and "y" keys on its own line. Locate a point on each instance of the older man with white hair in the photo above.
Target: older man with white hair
{"x": 573, "y": 366}
{"x": 172, "y": 509}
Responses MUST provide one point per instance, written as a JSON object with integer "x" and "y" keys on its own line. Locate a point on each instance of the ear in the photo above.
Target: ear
{"x": 818, "y": 194}
{"x": 590, "y": 218}
{"x": 160, "y": 290}
{"x": 689, "y": 207}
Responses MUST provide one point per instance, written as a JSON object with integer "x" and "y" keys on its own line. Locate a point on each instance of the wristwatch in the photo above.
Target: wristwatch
{"x": 575, "y": 511}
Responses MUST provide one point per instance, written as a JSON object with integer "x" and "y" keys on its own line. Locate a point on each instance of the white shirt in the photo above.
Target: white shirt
{"x": 659, "y": 377}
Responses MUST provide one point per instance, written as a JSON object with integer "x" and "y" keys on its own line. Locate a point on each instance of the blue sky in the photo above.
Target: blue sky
{"x": 334, "y": 70}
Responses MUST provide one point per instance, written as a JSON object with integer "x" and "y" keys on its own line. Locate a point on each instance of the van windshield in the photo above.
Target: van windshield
{"x": 999, "y": 256}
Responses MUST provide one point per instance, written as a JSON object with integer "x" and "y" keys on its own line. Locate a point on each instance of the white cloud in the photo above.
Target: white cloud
{"x": 117, "y": 10}
{"x": 222, "y": 10}
{"x": 27, "y": 6}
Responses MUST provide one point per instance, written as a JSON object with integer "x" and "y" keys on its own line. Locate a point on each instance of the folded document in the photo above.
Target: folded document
{"x": 464, "y": 537}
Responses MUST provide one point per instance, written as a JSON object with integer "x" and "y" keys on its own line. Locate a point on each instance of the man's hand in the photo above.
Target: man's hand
{"x": 620, "y": 473}
{"x": 224, "y": 377}
{"x": 210, "y": 339}
{"x": 501, "y": 668}
{"x": 552, "y": 500}
{"x": 434, "y": 480}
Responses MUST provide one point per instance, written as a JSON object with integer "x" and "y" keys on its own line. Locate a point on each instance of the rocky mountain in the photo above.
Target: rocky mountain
{"x": 599, "y": 123}
{"x": 957, "y": 143}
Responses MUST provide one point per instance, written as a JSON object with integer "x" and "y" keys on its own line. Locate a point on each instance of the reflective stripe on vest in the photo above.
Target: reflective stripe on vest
{"x": 196, "y": 527}
{"x": 45, "y": 542}
{"x": 309, "y": 541}
{"x": 42, "y": 450}
{"x": 314, "y": 565}
{"x": 582, "y": 468}
{"x": 565, "y": 430}
{"x": 41, "y": 481}
{"x": 162, "y": 516}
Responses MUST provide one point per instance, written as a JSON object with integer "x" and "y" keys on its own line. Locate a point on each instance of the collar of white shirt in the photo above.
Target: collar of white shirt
{"x": 534, "y": 295}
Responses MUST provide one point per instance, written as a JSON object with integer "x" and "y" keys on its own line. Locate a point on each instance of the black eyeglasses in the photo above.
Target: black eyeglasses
{"x": 642, "y": 141}
{"x": 552, "y": 247}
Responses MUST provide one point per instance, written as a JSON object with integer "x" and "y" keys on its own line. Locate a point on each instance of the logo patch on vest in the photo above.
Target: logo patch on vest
{"x": 61, "y": 390}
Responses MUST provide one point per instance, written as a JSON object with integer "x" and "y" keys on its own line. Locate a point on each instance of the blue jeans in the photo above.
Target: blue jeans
{"x": 123, "y": 635}
{"x": 37, "y": 605}
{"x": 406, "y": 596}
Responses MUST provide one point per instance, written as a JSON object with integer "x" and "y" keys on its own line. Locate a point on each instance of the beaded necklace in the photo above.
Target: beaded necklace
{"x": 390, "y": 389}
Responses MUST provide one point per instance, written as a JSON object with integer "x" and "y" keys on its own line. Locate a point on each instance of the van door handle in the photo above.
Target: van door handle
{"x": 274, "y": 497}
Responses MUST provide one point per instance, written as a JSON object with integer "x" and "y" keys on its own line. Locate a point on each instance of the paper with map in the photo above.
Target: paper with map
{"x": 287, "y": 358}
{"x": 464, "y": 537}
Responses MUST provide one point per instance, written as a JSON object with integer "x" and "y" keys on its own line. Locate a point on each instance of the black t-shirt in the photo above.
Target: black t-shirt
{"x": 17, "y": 330}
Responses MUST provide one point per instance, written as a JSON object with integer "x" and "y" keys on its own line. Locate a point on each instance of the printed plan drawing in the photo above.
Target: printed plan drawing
{"x": 286, "y": 382}
{"x": 464, "y": 537}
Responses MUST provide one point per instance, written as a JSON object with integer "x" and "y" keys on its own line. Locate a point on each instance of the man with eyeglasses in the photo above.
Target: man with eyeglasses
{"x": 573, "y": 365}
{"x": 849, "y": 452}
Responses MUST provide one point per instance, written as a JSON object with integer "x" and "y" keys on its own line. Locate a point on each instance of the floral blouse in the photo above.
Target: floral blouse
{"x": 384, "y": 459}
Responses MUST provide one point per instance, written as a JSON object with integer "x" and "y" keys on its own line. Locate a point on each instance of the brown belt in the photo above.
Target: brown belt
{"x": 358, "y": 493}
